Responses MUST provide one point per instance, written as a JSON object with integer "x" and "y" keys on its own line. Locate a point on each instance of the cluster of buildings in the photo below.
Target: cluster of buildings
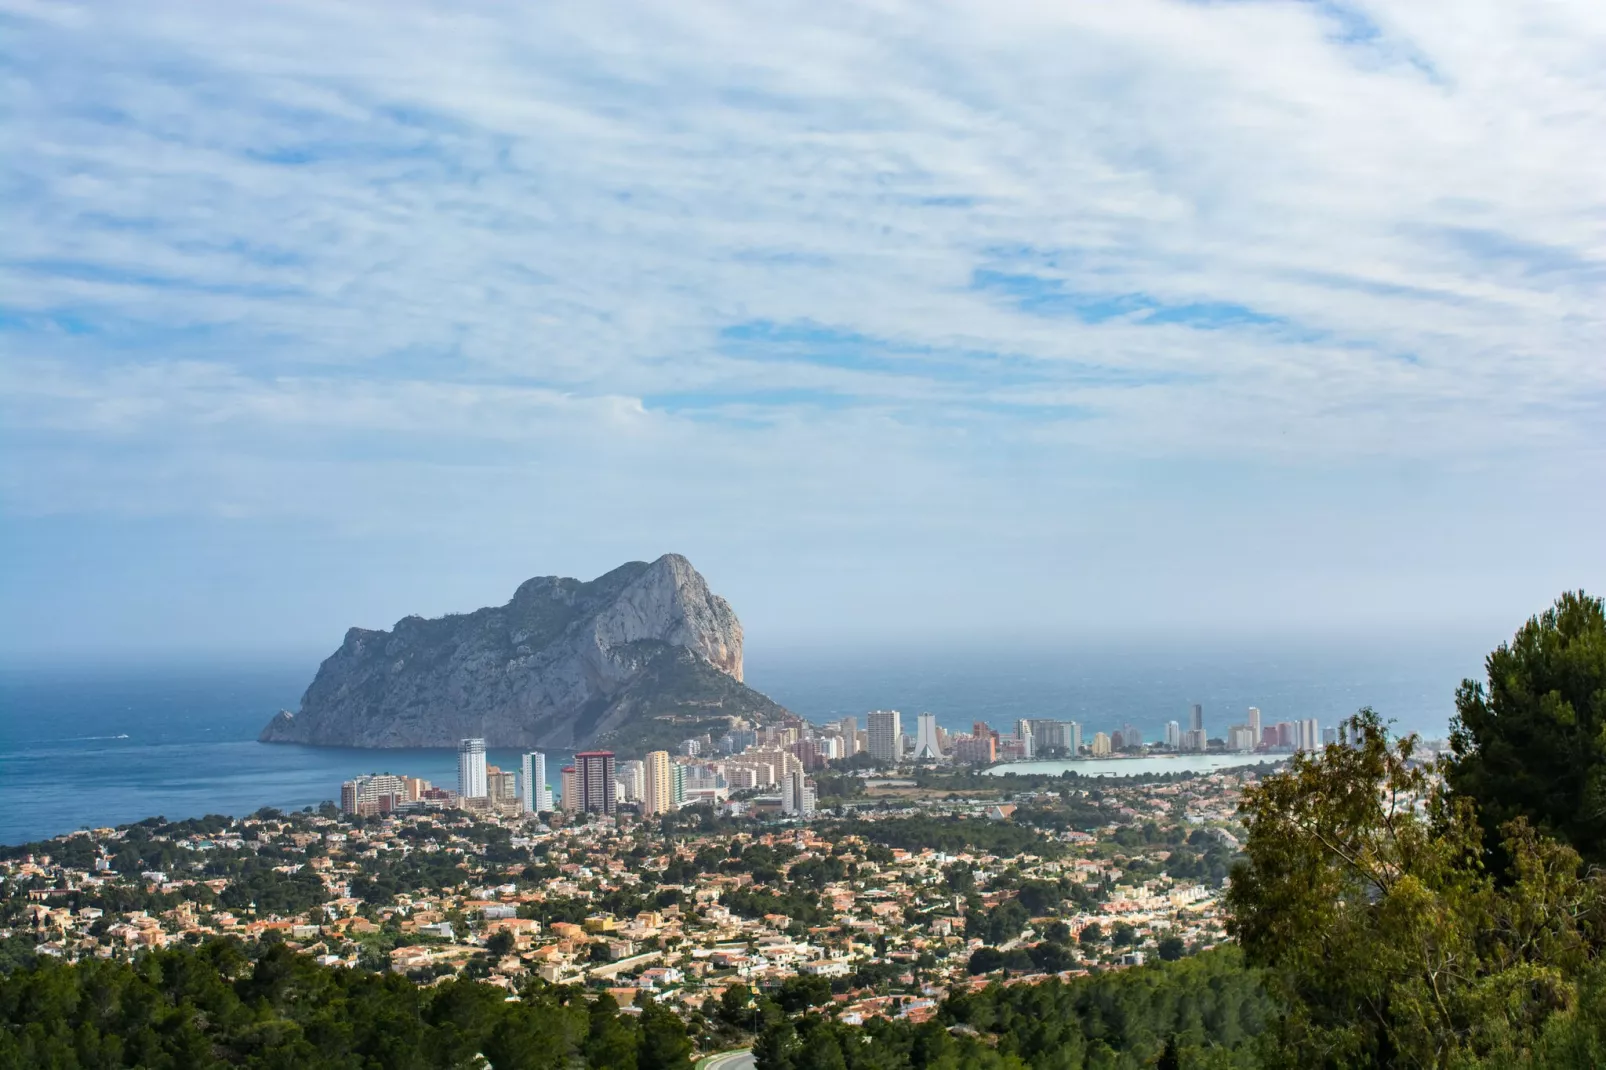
{"x": 767, "y": 767}
{"x": 887, "y": 739}
{"x": 1039, "y": 738}
{"x": 885, "y": 924}
{"x": 1253, "y": 735}
{"x": 771, "y": 763}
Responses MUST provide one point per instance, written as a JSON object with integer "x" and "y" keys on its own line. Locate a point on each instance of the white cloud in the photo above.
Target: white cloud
{"x": 342, "y": 261}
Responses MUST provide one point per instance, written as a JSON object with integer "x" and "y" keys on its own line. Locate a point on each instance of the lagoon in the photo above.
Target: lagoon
{"x": 1166, "y": 763}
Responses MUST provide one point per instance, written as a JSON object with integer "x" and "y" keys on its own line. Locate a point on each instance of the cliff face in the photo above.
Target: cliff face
{"x": 644, "y": 652}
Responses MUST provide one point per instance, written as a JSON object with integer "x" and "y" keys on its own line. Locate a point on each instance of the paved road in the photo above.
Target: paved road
{"x": 728, "y": 1060}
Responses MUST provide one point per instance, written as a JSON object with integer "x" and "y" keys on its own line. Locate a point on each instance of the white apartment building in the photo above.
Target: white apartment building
{"x": 886, "y": 734}
{"x": 471, "y": 782}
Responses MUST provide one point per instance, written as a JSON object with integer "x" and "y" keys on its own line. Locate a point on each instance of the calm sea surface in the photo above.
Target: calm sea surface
{"x": 109, "y": 746}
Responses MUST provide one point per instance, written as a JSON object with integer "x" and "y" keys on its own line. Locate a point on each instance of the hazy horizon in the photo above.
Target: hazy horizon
{"x": 1102, "y": 682}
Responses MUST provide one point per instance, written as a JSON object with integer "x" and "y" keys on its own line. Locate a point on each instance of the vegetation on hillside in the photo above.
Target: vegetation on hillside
{"x": 213, "y": 1007}
{"x": 677, "y": 695}
{"x": 1368, "y": 900}
{"x": 1365, "y": 899}
{"x": 1206, "y": 1010}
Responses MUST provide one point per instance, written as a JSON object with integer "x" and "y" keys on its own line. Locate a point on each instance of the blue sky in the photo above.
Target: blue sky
{"x": 901, "y": 320}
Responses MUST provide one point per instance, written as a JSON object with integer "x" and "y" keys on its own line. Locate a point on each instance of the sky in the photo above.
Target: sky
{"x": 903, "y": 321}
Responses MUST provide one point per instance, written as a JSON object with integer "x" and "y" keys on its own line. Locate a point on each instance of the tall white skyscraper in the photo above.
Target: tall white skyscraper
{"x": 471, "y": 769}
{"x": 1073, "y": 738}
{"x": 533, "y": 792}
{"x": 885, "y": 735}
{"x": 1254, "y": 724}
{"x": 926, "y": 745}
{"x": 1173, "y": 735}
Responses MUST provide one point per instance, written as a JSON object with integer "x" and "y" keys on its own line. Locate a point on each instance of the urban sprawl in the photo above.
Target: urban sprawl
{"x": 877, "y": 869}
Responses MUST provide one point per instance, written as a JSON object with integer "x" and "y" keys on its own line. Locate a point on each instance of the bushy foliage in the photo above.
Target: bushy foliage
{"x": 1365, "y": 899}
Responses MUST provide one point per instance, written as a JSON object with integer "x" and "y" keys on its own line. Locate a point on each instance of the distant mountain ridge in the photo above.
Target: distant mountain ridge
{"x": 643, "y": 656}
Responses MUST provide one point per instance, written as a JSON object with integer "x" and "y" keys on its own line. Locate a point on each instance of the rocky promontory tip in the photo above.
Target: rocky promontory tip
{"x": 645, "y": 655}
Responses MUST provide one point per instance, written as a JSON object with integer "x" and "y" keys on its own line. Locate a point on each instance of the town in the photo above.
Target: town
{"x": 877, "y": 888}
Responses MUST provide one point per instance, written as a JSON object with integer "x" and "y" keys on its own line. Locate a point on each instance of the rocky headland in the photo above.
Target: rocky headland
{"x": 641, "y": 657}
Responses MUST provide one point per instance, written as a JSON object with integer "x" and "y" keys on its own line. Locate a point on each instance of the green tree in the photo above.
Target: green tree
{"x": 733, "y": 1005}
{"x": 985, "y": 960}
{"x": 802, "y": 991}
{"x": 777, "y": 1046}
{"x": 1364, "y": 897}
{"x": 612, "y": 1042}
{"x": 664, "y": 1043}
{"x": 1533, "y": 743}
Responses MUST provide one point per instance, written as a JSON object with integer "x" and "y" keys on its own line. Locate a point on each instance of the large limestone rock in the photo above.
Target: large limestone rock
{"x": 645, "y": 655}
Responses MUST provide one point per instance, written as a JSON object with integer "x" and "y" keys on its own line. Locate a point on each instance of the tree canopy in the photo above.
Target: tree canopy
{"x": 1532, "y": 743}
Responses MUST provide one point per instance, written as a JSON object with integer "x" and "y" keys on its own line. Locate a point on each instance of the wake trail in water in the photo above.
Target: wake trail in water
{"x": 73, "y": 739}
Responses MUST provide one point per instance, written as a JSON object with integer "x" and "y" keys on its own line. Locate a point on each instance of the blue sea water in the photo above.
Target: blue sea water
{"x": 107, "y": 746}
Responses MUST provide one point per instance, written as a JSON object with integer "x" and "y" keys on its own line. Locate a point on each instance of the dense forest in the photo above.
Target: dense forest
{"x": 213, "y": 1007}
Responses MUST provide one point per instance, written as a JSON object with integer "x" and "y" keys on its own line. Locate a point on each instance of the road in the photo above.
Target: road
{"x": 728, "y": 1060}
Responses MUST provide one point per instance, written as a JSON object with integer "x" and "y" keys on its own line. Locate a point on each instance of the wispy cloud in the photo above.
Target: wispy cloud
{"x": 598, "y": 245}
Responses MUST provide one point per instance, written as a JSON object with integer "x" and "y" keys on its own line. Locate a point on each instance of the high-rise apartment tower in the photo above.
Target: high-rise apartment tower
{"x": 594, "y": 772}
{"x": 471, "y": 768}
{"x": 533, "y": 792}
{"x": 658, "y": 798}
{"x": 885, "y": 735}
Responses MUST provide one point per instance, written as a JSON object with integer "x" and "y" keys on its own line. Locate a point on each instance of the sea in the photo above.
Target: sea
{"x": 88, "y": 747}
